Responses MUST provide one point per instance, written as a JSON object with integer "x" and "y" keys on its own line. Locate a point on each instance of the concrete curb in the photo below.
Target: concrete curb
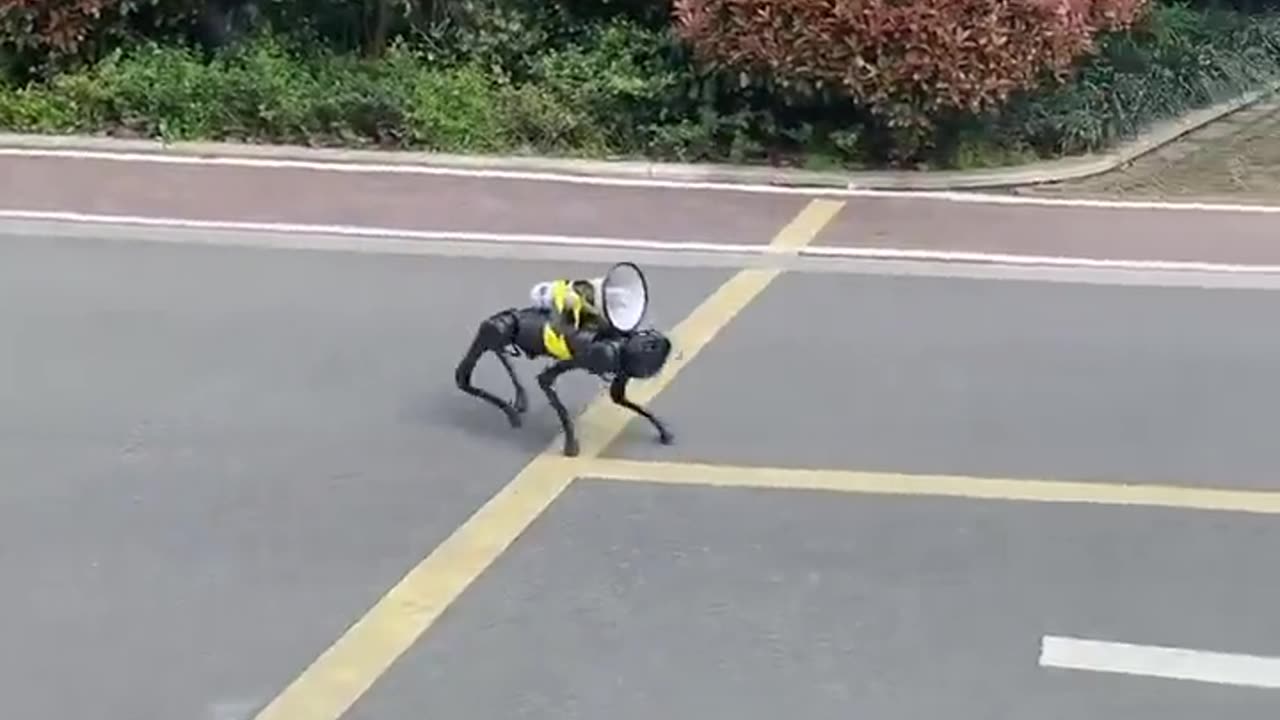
{"x": 1073, "y": 168}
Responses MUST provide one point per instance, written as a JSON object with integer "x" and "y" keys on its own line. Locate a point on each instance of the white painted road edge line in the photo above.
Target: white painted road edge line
{"x": 592, "y": 242}
{"x": 1034, "y": 260}
{"x": 1161, "y": 662}
{"x": 585, "y": 241}
{"x": 953, "y": 196}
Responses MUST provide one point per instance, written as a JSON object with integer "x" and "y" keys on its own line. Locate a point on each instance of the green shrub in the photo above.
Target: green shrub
{"x": 1175, "y": 62}
{"x": 584, "y": 101}
{"x": 524, "y": 81}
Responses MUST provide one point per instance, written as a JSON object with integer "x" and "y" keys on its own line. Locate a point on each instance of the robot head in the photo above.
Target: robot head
{"x": 645, "y": 353}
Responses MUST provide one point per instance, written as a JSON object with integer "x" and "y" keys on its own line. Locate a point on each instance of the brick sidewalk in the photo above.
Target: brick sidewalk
{"x": 1236, "y": 159}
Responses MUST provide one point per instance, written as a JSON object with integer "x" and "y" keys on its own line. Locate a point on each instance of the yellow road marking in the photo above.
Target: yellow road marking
{"x": 603, "y": 422}
{"x": 847, "y": 481}
{"x": 347, "y": 669}
{"x": 805, "y": 226}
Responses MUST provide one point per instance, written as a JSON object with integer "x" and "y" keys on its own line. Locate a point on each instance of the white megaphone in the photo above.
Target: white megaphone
{"x": 620, "y": 296}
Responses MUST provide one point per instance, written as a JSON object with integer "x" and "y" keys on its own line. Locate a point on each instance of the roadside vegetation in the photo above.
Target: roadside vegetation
{"x": 876, "y": 83}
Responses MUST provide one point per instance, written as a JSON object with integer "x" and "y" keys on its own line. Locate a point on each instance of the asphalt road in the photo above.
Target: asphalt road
{"x": 635, "y": 602}
{"x": 989, "y": 378}
{"x": 215, "y": 459}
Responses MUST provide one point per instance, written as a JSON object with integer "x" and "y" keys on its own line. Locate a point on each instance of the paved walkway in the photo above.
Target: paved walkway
{"x": 1236, "y": 159}
{"x": 392, "y": 204}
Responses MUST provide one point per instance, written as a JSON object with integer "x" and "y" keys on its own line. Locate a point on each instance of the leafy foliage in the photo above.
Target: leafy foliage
{"x": 1175, "y": 61}
{"x": 36, "y": 31}
{"x": 800, "y": 82}
{"x": 909, "y": 63}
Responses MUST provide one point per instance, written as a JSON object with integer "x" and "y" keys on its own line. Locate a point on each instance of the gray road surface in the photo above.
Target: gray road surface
{"x": 214, "y": 460}
{"x": 633, "y": 602}
{"x": 1004, "y": 379}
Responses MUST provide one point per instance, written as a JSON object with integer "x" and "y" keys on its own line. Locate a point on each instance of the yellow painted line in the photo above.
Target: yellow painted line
{"x": 805, "y": 226}
{"x": 847, "y": 481}
{"x": 347, "y": 669}
{"x": 603, "y": 422}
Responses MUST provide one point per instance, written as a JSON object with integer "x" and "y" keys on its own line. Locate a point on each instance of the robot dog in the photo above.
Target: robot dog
{"x": 591, "y": 325}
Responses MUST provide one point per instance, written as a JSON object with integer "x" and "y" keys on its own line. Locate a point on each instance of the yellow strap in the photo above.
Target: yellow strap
{"x": 555, "y": 343}
{"x": 561, "y": 293}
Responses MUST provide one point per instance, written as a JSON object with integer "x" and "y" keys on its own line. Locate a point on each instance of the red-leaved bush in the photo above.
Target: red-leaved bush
{"x": 905, "y": 60}
{"x": 58, "y": 26}
{"x": 57, "y": 31}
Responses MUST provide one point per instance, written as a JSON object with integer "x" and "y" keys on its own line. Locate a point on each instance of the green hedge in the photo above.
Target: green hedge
{"x": 265, "y": 90}
{"x": 620, "y": 89}
{"x": 1181, "y": 60}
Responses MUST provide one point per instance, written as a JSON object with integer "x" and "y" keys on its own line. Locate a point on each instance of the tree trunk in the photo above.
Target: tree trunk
{"x": 378, "y": 26}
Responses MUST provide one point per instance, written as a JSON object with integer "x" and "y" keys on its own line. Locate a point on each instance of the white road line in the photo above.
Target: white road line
{"x": 672, "y": 246}
{"x": 1160, "y": 662}
{"x": 386, "y": 233}
{"x": 859, "y": 253}
{"x": 962, "y": 197}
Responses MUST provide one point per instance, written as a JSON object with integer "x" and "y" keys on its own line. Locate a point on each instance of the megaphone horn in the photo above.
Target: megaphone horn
{"x": 622, "y": 296}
